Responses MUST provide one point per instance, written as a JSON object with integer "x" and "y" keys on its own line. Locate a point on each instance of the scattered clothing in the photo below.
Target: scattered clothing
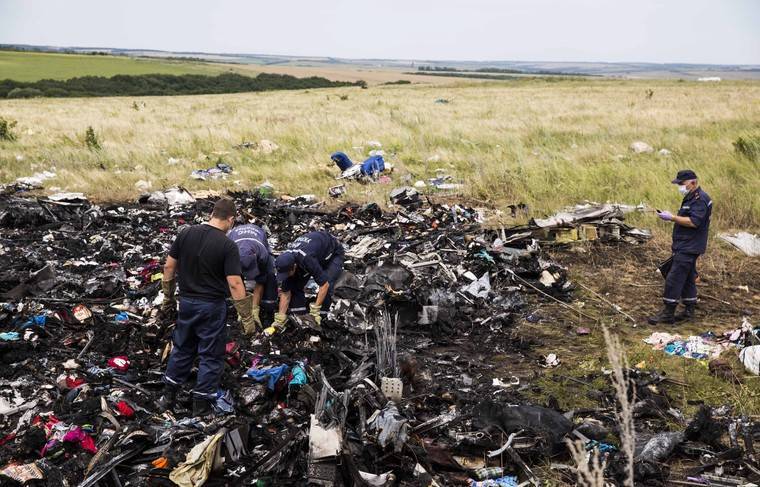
{"x": 507, "y": 481}
{"x": 220, "y": 171}
{"x": 270, "y": 374}
{"x": 701, "y": 347}
{"x": 199, "y": 462}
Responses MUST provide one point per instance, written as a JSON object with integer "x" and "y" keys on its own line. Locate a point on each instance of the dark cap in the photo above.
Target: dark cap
{"x": 684, "y": 175}
{"x": 284, "y": 263}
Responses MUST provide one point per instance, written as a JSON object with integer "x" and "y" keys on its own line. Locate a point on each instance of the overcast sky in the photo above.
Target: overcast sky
{"x": 696, "y": 31}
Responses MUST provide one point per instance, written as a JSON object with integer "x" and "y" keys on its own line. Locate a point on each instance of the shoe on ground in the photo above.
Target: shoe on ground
{"x": 202, "y": 408}
{"x": 687, "y": 314}
{"x": 168, "y": 398}
{"x": 666, "y": 315}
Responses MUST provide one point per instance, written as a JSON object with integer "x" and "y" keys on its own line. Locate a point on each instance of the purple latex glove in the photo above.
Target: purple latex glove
{"x": 665, "y": 215}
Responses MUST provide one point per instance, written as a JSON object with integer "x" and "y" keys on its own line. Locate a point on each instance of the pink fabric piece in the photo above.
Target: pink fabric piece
{"x": 74, "y": 435}
{"x": 50, "y": 444}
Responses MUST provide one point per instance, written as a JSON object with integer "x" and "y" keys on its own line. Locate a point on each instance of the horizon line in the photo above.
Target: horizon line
{"x": 410, "y": 60}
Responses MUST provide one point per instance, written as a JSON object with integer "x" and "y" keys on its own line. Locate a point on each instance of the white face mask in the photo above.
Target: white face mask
{"x": 683, "y": 189}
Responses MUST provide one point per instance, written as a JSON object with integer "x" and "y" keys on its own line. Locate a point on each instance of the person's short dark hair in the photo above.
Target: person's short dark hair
{"x": 223, "y": 209}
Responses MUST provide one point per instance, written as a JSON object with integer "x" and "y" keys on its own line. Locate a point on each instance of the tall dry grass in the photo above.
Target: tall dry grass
{"x": 539, "y": 142}
{"x": 622, "y": 384}
{"x": 589, "y": 468}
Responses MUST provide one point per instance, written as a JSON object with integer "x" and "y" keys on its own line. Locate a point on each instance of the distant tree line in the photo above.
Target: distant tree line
{"x": 479, "y": 70}
{"x": 496, "y": 70}
{"x": 162, "y": 84}
{"x": 498, "y": 77}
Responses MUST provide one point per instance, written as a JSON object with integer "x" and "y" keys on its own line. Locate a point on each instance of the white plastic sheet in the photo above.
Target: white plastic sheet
{"x": 746, "y": 242}
{"x": 750, "y": 357}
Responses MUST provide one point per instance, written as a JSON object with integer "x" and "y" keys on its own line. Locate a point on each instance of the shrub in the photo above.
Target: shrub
{"x": 24, "y": 93}
{"x": 91, "y": 139}
{"x": 748, "y": 146}
{"x": 163, "y": 84}
{"x": 6, "y": 129}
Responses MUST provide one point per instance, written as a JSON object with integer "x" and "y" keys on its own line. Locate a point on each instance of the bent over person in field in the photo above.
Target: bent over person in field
{"x": 258, "y": 276}
{"x": 207, "y": 266}
{"x": 318, "y": 255}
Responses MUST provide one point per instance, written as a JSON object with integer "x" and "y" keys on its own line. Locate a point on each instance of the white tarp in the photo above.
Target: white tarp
{"x": 746, "y": 242}
{"x": 750, "y": 357}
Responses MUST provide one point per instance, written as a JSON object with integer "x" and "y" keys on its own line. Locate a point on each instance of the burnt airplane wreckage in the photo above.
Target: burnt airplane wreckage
{"x": 400, "y": 385}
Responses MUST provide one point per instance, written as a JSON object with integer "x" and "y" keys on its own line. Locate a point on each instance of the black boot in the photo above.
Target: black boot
{"x": 666, "y": 315}
{"x": 168, "y": 398}
{"x": 202, "y": 407}
{"x": 687, "y": 313}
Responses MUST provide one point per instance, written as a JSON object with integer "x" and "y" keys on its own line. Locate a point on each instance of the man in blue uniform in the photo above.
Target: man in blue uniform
{"x": 258, "y": 274}
{"x": 318, "y": 255}
{"x": 690, "y": 227}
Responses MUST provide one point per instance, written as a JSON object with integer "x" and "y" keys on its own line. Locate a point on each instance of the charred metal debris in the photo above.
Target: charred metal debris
{"x": 406, "y": 383}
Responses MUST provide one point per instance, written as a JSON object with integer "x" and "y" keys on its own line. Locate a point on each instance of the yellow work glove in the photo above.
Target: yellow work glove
{"x": 244, "y": 307}
{"x": 170, "y": 302}
{"x": 314, "y": 311}
{"x": 256, "y": 311}
{"x": 278, "y": 325}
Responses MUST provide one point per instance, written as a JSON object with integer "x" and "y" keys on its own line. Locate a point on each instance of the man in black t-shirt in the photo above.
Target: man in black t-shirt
{"x": 208, "y": 268}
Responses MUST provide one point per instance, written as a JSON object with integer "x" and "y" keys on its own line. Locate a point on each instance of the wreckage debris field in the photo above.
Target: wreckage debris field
{"x": 405, "y": 383}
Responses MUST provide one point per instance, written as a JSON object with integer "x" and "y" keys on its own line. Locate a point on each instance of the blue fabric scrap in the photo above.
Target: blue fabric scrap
{"x": 269, "y": 374}
{"x": 9, "y": 336}
{"x": 299, "y": 376}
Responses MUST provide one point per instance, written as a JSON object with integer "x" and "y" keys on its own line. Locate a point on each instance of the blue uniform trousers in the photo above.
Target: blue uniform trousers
{"x": 333, "y": 268}
{"x": 269, "y": 298}
{"x": 200, "y": 332}
{"x": 681, "y": 281}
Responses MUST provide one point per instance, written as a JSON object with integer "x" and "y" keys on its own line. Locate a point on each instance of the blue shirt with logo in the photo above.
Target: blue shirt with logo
{"x": 697, "y": 206}
{"x": 312, "y": 253}
{"x": 255, "y": 256}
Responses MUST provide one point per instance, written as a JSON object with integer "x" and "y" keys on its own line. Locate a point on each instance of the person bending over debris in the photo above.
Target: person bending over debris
{"x": 316, "y": 254}
{"x": 689, "y": 242}
{"x": 258, "y": 274}
{"x": 208, "y": 264}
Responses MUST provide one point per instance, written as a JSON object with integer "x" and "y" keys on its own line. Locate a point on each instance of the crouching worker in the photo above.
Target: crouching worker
{"x": 258, "y": 276}
{"x": 318, "y": 255}
{"x": 207, "y": 265}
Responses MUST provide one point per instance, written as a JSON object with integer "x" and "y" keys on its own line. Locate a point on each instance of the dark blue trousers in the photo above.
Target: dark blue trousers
{"x": 681, "y": 282}
{"x": 269, "y": 299}
{"x": 200, "y": 332}
{"x": 333, "y": 269}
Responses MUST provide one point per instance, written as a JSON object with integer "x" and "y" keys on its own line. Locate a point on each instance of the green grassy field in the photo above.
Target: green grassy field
{"x": 34, "y": 66}
{"x": 546, "y": 144}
